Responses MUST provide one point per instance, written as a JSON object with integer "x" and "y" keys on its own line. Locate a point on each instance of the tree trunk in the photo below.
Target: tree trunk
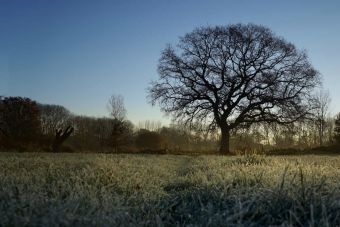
{"x": 320, "y": 132}
{"x": 60, "y": 137}
{"x": 225, "y": 137}
{"x": 320, "y": 138}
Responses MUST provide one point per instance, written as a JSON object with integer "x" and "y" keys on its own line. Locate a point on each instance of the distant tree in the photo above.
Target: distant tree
{"x": 234, "y": 75}
{"x": 304, "y": 133}
{"x": 116, "y": 107}
{"x": 121, "y": 129}
{"x": 121, "y": 134}
{"x": 284, "y": 135}
{"x": 330, "y": 129}
{"x": 322, "y": 102}
{"x": 20, "y": 123}
{"x": 175, "y": 138}
{"x": 337, "y": 129}
{"x": 247, "y": 139}
{"x": 2, "y": 124}
{"x": 91, "y": 133}
{"x": 148, "y": 140}
{"x": 150, "y": 125}
{"x": 86, "y": 134}
{"x": 101, "y": 130}
{"x": 53, "y": 117}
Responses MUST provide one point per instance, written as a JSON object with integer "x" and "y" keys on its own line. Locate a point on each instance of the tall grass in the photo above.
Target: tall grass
{"x": 150, "y": 190}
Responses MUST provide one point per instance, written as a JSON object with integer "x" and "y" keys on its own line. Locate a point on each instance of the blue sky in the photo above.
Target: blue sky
{"x": 78, "y": 53}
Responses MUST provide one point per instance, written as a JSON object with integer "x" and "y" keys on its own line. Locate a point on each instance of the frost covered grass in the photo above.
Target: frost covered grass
{"x": 166, "y": 190}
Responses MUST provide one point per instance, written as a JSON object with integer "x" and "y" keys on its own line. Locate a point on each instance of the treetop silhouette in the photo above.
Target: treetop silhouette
{"x": 232, "y": 76}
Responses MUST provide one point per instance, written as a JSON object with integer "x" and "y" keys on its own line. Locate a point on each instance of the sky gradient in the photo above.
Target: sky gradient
{"x": 78, "y": 53}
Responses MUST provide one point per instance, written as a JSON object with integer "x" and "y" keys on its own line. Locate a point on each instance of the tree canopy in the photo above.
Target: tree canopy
{"x": 228, "y": 76}
{"x": 19, "y": 122}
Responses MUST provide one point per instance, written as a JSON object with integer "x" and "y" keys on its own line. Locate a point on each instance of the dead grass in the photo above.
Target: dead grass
{"x": 42, "y": 189}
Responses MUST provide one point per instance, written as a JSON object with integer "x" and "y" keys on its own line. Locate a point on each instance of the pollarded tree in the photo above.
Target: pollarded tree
{"x": 234, "y": 75}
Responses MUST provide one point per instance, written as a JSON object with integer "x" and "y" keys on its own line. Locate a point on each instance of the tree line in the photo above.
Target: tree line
{"x": 30, "y": 126}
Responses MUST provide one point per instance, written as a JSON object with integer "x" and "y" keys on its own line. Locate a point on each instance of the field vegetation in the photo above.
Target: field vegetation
{"x": 44, "y": 189}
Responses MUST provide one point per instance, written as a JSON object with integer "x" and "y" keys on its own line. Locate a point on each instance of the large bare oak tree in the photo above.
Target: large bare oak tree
{"x": 234, "y": 75}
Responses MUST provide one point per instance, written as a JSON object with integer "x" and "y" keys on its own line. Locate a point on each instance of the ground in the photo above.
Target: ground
{"x": 166, "y": 190}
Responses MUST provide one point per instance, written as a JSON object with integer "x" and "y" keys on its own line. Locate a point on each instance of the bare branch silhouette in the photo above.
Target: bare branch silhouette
{"x": 60, "y": 137}
{"x": 234, "y": 75}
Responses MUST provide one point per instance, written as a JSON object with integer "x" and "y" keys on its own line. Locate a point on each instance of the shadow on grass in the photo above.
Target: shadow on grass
{"x": 329, "y": 150}
{"x": 245, "y": 207}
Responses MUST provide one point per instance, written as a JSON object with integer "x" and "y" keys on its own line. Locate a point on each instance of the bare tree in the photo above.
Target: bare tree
{"x": 53, "y": 117}
{"x": 234, "y": 75}
{"x": 91, "y": 133}
{"x": 322, "y": 102}
{"x": 121, "y": 129}
{"x": 150, "y": 125}
{"x": 330, "y": 129}
{"x": 116, "y": 107}
{"x": 121, "y": 134}
{"x": 148, "y": 140}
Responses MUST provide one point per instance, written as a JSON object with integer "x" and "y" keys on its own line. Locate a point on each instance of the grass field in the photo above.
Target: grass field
{"x": 165, "y": 190}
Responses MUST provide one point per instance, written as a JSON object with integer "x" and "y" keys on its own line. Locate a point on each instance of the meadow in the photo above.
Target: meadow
{"x": 44, "y": 189}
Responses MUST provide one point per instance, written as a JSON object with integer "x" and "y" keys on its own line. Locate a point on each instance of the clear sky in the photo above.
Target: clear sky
{"x": 78, "y": 53}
